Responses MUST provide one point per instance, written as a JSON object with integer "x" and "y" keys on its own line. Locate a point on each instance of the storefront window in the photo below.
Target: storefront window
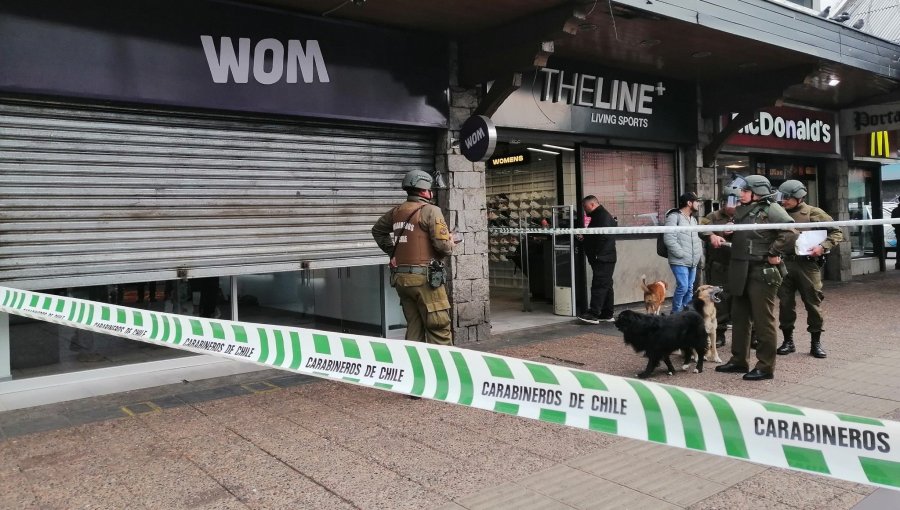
{"x": 39, "y": 348}
{"x": 343, "y": 299}
{"x": 729, "y": 166}
{"x": 775, "y": 168}
{"x": 860, "y": 193}
{"x": 637, "y": 187}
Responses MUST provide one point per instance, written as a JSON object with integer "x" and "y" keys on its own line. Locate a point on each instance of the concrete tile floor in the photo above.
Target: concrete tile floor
{"x": 274, "y": 440}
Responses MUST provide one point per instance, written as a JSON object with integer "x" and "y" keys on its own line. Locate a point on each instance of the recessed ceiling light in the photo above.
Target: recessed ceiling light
{"x": 736, "y": 165}
{"x": 701, "y": 54}
{"x": 646, "y": 43}
{"x": 833, "y": 81}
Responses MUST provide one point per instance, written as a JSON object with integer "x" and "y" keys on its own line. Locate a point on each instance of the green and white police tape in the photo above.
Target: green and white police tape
{"x": 659, "y": 229}
{"x": 852, "y": 448}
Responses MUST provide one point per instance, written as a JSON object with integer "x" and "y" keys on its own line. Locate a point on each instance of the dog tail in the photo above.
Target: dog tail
{"x": 644, "y": 283}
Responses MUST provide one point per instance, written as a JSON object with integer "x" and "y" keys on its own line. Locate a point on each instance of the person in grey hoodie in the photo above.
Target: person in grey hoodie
{"x": 685, "y": 249}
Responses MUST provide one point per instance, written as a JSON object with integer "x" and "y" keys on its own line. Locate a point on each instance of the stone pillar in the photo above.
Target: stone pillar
{"x": 697, "y": 178}
{"x": 466, "y": 209}
{"x": 834, "y": 201}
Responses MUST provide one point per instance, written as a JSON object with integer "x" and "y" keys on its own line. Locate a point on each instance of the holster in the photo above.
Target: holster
{"x": 436, "y": 274}
{"x": 773, "y": 275}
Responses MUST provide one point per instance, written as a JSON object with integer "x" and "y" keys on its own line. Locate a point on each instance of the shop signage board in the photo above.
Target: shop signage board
{"x": 870, "y": 119}
{"x": 224, "y": 56}
{"x": 509, "y": 160}
{"x": 584, "y": 98}
{"x": 477, "y": 138}
{"x": 877, "y": 144}
{"x": 788, "y": 129}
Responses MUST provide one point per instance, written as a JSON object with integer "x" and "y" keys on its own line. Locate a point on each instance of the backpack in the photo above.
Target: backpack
{"x": 661, "y": 248}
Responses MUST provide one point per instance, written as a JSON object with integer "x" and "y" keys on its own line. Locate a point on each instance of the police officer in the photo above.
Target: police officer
{"x": 804, "y": 272}
{"x": 718, "y": 256}
{"x": 416, "y": 237}
{"x": 755, "y": 273}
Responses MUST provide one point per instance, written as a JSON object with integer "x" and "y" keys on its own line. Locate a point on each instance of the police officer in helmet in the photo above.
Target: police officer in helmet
{"x": 718, "y": 255}
{"x": 804, "y": 272}
{"x": 755, "y": 273}
{"x": 416, "y": 237}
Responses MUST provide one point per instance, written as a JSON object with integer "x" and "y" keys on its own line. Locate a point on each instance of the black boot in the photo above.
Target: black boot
{"x": 787, "y": 346}
{"x": 815, "y": 348}
{"x": 720, "y": 338}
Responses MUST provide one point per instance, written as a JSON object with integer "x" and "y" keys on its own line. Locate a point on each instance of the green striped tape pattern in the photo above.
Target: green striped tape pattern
{"x": 687, "y": 418}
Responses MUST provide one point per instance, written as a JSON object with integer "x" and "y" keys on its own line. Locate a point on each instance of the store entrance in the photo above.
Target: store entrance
{"x": 530, "y": 275}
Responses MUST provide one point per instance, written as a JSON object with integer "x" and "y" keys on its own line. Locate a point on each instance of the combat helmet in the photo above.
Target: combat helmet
{"x": 759, "y": 185}
{"x": 733, "y": 188}
{"x": 417, "y": 179}
{"x": 792, "y": 189}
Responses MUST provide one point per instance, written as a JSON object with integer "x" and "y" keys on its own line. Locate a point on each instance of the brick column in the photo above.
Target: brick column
{"x": 465, "y": 206}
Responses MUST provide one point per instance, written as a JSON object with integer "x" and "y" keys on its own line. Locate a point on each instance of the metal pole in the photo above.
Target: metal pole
{"x": 526, "y": 272}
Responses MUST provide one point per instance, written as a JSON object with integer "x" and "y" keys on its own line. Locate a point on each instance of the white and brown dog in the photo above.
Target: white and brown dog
{"x": 654, "y": 295}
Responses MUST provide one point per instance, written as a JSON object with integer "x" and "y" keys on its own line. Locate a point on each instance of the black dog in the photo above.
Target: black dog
{"x": 658, "y": 336}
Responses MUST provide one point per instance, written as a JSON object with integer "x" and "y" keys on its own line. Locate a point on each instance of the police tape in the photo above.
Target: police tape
{"x": 852, "y": 448}
{"x": 659, "y": 229}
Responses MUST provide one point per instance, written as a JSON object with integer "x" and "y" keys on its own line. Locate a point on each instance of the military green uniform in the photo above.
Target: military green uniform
{"x": 805, "y": 275}
{"x": 753, "y": 297}
{"x": 415, "y": 233}
{"x": 717, "y": 262}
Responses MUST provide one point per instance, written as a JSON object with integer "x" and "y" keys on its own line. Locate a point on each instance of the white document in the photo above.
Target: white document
{"x": 808, "y": 240}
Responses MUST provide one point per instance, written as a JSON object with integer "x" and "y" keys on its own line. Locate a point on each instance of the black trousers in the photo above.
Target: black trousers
{"x": 602, "y": 299}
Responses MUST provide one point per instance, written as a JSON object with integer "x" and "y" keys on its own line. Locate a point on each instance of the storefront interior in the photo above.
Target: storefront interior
{"x": 523, "y": 187}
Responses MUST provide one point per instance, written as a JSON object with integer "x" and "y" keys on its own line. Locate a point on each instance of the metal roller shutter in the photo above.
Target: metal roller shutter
{"x": 92, "y": 195}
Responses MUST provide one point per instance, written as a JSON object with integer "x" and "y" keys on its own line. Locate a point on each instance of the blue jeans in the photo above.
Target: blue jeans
{"x": 684, "y": 286}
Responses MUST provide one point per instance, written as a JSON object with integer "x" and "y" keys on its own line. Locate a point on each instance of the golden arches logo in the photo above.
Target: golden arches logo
{"x": 880, "y": 144}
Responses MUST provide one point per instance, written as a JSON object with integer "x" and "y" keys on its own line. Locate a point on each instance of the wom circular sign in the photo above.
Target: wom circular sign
{"x": 478, "y": 138}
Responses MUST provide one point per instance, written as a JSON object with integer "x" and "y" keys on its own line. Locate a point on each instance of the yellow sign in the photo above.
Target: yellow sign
{"x": 880, "y": 144}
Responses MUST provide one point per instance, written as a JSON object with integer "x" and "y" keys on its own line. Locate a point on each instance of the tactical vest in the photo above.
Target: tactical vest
{"x": 753, "y": 245}
{"x": 413, "y": 244}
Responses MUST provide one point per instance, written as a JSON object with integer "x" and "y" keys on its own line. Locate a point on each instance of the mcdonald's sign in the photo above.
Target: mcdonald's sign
{"x": 879, "y": 144}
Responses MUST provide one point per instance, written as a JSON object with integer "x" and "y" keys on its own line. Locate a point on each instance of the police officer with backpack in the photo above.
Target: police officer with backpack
{"x": 804, "y": 272}
{"x": 416, "y": 237}
{"x": 755, "y": 273}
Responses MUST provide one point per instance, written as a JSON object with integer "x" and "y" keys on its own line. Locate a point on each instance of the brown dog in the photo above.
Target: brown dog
{"x": 654, "y": 295}
{"x": 705, "y": 304}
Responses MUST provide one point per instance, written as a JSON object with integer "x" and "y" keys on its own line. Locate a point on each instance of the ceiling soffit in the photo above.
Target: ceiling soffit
{"x": 720, "y": 50}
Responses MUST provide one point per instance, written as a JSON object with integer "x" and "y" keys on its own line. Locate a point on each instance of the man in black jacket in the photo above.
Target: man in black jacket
{"x": 600, "y": 251}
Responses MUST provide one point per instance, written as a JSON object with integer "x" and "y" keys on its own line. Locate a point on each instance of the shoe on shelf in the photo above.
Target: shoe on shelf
{"x": 590, "y": 317}
{"x": 758, "y": 375}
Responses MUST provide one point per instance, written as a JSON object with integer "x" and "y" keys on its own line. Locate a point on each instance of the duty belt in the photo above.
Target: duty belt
{"x": 410, "y": 269}
{"x": 795, "y": 257}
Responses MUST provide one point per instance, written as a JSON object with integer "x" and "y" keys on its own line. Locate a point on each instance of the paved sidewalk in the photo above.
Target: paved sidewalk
{"x": 275, "y": 440}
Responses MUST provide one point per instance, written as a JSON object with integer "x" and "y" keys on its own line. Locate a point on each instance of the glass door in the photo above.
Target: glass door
{"x": 860, "y": 193}
{"x": 563, "y": 261}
